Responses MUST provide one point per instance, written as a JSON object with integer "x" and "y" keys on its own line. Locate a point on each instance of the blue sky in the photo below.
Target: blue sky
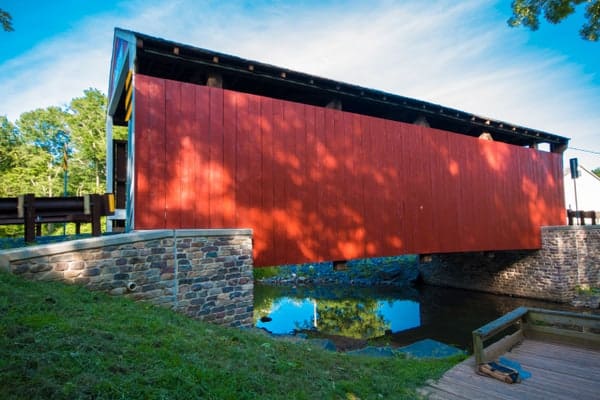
{"x": 459, "y": 54}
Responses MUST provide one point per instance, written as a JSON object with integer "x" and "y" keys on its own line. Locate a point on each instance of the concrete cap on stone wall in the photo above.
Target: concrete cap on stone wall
{"x": 24, "y": 253}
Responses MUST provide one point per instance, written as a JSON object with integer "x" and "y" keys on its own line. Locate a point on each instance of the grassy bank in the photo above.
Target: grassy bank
{"x": 59, "y": 341}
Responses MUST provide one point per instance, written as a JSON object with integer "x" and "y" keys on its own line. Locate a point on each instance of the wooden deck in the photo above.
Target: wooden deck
{"x": 558, "y": 372}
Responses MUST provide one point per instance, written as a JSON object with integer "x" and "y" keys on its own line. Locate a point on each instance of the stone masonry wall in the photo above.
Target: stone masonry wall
{"x": 206, "y": 274}
{"x": 569, "y": 258}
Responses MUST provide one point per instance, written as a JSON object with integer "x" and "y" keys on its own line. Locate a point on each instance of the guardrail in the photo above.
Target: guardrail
{"x": 579, "y": 217}
{"x": 535, "y": 323}
{"x": 34, "y": 211}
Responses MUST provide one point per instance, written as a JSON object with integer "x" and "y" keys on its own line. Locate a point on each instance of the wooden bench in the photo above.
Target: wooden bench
{"x": 563, "y": 327}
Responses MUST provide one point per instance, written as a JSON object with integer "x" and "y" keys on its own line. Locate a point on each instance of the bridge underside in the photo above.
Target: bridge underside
{"x": 568, "y": 261}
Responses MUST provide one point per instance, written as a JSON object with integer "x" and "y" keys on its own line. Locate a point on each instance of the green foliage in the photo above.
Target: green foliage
{"x": 87, "y": 123}
{"x": 32, "y": 150}
{"x": 44, "y": 134}
{"x": 9, "y": 140}
{"x": 64, "y": 342}
{"x": 528, "y": 12}
{"x": 357, "y": 319}
{"x": 6, "y": 21}
{"x": 596, "y": 171}
{"x": 265, "y": 272}
{"x": 588, "y": 290}
{"x": 263, "y": 301}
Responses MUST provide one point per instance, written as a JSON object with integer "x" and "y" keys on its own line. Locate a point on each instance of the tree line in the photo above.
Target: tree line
{"x": 43, "y": 144}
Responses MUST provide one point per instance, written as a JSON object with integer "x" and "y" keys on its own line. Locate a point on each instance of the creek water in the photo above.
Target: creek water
{"x": 390, "y": 315}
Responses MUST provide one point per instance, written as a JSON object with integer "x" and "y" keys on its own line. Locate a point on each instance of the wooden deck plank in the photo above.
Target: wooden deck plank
{"x": 563, "y": 367}
{"x": 572, "y": 385}
{"x": 558, "y": 372}
{"x": 583, "y": 357}
{"x": 529, "y": 389}
{"x": 438, "y": 394}
{"x": 467, "y": 391}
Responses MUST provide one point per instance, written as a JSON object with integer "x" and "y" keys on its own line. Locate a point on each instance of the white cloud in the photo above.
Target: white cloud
{"x": 458, "y": 54}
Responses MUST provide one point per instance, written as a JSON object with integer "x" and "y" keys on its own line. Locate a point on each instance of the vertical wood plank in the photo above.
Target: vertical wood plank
{"x": 143, "y": 125}
{"x": 264, "y": 237}
{"x": 559, "y": 216}
{"x": 201, "y": 130}
{"x": 216, "y": 163}
{"x": 279, "y": 133}
{"x": 313, "y": 223}
{"x": 295, "y": 180}
{"x": 242, "y": 172}
{"x": 338, "y": 217}
{"x": 173, "y": 168}
{"x": 414, "y": 183}
{"x": 254, "y": 159}
{"x": 395, "y": 155}
{"x": 188, "y": 159}
{"x": 375, "y": 199}
{"x": 151, "y": 150}
{"x": 230, "y": 157}
{"x": 322, "y": 170}
{"x": 328, "y": 201}
{"x": 365, "y": 173}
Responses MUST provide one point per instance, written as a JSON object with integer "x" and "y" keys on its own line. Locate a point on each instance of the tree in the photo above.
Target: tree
{"x": 45, "y": 133}
{"x": 527, "y": 13}
{"x": 351, "y": 318}
{"x": 8, "y": 143}
{"x": 87, "y": 123}
{"x": 6, "y": 21}
{"x": 32, "y": 151}
{"x": 596, "y": 171}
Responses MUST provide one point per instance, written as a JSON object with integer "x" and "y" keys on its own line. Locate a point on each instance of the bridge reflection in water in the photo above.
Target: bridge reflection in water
{"x": 356, "y": 318}
{"x": 401, "y": 315}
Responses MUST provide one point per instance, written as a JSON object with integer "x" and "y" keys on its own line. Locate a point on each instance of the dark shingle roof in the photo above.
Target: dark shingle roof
{"x": 166, "y": 59}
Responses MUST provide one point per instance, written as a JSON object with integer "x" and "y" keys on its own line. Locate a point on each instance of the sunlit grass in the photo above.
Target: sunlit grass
{"x": 64, "y": 342}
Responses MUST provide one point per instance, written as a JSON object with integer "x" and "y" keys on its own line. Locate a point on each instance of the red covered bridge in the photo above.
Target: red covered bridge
{"x": 319, "y": 169}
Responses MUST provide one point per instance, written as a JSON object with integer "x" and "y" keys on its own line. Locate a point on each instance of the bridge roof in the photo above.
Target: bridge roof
{"x": 170, "y": 60}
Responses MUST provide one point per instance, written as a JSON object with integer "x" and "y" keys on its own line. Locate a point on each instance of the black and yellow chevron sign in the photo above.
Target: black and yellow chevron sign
{"x": 128, "y": 94}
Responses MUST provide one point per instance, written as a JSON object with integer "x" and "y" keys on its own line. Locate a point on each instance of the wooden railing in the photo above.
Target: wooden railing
{"x": 34, "y": 211}
{"x": 579, "y": 217}
{"x": 534, "y": 323}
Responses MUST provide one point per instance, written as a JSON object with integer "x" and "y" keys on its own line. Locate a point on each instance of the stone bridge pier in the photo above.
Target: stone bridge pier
{"x": 568, "y": 260}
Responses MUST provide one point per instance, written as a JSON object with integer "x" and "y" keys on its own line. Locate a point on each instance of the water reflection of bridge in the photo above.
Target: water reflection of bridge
{"x": 443, "y": 314}
{"x": 341, "y": 317}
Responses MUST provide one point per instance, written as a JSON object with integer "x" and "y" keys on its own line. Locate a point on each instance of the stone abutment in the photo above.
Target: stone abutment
{"x": 569, "y": 260}
{"x": 205, "y": 274}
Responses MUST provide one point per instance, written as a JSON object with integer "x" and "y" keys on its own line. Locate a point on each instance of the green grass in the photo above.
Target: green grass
{"x": 265, "y": 272}
{"x": 64, "y": 342}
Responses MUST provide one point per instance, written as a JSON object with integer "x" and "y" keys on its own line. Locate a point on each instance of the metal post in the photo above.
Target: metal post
{"x": 574, "y": 166}
{"x": 575, "y": 188}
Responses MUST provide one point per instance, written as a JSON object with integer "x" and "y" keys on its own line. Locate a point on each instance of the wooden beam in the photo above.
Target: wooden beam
{"x": 335, "y": 104}
{"x": 422, "y": 121}
{"x": 214, "y": 79}
{"x": 558, "y": 148}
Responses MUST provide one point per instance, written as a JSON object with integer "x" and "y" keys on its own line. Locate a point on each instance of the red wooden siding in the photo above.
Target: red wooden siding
{"x": 321, "y": 184}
